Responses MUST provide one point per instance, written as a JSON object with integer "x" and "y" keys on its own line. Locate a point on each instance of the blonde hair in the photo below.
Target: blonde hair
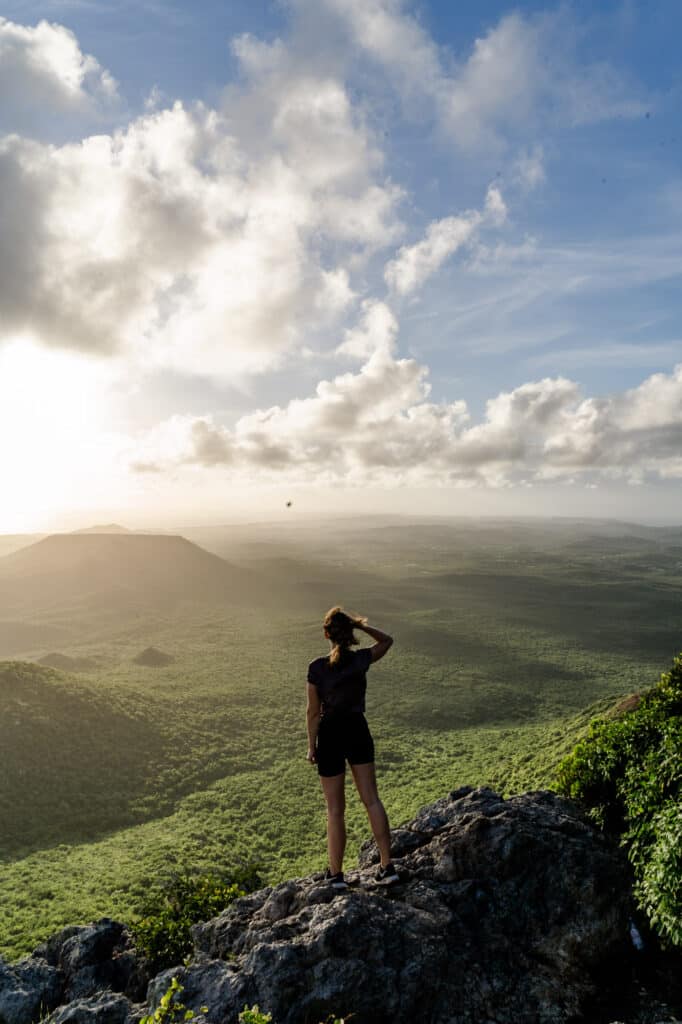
{"x": 339, "y": 626}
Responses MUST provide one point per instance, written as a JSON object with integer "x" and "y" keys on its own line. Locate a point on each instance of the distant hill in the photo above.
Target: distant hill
{"x": 109, "y": 528}
{"x": 121, "y": 572}
{"x": 61, "y": 749}
{"x": 10, "y": 542}
{"x": 152, "y": 657}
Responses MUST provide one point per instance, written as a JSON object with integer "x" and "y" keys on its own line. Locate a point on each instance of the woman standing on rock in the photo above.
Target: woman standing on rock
{"x": 338, "y": 732}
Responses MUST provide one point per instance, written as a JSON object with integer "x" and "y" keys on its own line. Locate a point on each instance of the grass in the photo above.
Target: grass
{"x": 506, "y": 645}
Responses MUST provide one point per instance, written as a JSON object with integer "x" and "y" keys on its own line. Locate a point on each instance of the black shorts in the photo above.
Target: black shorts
{"x": 343, "y": 737}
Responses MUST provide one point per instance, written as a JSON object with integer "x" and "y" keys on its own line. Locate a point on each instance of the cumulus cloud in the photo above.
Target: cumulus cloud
{"x": 379, "y": 425}
{"x": 415, "y": 263}
{"x": 522, "y": 69}
{"x": 190, "y": 241}
{"x": 376, "y": 332}
{"x": 43, "y": 72}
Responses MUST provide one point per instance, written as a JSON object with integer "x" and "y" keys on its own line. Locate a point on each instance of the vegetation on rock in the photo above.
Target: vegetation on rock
{"x": 162, "y": 934}
{"x": 628, "y": 771}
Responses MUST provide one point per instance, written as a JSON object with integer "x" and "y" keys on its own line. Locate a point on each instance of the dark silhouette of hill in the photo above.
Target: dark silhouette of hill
{"x": 61, "y": 748}
{"x": 152, "y": 657}
{"x": 122, "y": 572}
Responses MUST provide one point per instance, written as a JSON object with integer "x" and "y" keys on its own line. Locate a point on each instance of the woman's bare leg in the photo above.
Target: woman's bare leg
{"x": 335, "y": 795}
{"x": 366, "y": 783}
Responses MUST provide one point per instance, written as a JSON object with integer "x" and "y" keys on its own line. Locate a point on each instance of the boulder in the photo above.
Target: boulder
{"x": 28, "y": 989}
{"x": 508, "y": 910}
{"x": 93, "y": 957}
{"x": 107, "y": 1008}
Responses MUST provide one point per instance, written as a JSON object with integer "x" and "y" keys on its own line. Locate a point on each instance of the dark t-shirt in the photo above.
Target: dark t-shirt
{"x": 341, "y": 687}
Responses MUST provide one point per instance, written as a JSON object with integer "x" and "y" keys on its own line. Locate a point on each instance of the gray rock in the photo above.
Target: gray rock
{"x": 93, "y": 957}
{"x": 507, "y": 911}
{"x": 106, "y": 1008}
{"x": 29, "y": 989}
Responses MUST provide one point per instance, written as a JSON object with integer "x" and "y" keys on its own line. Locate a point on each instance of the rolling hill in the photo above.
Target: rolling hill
{"x": 73, "y": 761}
{"x": 122, "y": 572}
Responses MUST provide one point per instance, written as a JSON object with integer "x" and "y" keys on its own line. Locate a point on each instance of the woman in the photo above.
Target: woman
{"x": 338, "y": 732}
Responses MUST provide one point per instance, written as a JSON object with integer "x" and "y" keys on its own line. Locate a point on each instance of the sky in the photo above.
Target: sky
{"x": 358, "y": 255}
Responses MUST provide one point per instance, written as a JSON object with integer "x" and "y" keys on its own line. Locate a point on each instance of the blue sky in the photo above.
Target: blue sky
{"x": 375, "y": 254}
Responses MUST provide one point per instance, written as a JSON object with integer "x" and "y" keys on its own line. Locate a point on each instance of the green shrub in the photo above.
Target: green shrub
{"x": 162, "y": 933}
{"x": 170, "y": 1010}
{"x": 254, "y": 1016}
{"x": 628, "y": 772}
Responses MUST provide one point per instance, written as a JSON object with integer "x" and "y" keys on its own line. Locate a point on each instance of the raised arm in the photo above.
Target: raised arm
{"x": 383, "y": 640}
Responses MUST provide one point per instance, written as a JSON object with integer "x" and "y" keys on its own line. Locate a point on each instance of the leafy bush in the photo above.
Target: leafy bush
{"x": 162, "y": 934}
{"x": 253, "y": 1015}
{"x": 628, "y": 771}
{"x": 170, "y": 1010}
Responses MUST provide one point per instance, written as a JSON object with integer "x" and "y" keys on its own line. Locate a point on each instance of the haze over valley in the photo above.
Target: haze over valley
{"x": 171, "y": 731}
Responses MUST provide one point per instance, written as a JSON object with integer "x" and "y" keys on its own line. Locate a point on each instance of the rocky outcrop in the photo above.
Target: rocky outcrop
{"x": 87, "y": 973}
{"x": 507, "y": 911}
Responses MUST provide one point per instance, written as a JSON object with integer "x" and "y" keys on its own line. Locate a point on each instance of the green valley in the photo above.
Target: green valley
{"x": 510, "y": 636}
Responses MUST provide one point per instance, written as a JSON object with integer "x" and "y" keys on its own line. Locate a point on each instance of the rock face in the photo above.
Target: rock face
{"x": 507, "y": 912}
{"x": 74, "y": 971}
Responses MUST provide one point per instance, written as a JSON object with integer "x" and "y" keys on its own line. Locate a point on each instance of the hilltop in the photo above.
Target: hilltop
{"x": 107, "y": 528}
{"x": 122, "y": 571}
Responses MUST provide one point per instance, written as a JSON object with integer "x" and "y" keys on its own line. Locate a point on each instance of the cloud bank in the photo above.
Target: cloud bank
{"x": 377, "y": 425}
{"x": 226, "y": 242}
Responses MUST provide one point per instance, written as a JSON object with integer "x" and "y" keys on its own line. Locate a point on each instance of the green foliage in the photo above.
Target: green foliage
{"x": 253, "y": 1015}
{"x": 628, "y": 771}
{"x": 509, "y": 637}
{"x": 162, "y": 934}
{"x": 170, "y": 1010}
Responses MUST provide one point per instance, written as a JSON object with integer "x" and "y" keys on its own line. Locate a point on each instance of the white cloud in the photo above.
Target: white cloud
{"x": 524, "y": 70}
{"x": 415, "y": 263}
{"x": 190, "y": 241}
{"x": 376, "y": 332}
{"x": 43, "y": 72}
{"x": 378, "y": 425}
{"x": 529, "y": 168}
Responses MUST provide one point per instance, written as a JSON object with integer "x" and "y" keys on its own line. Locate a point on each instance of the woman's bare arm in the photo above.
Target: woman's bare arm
{"x": 383, "y": 641}
{"x": 312, "y": 720}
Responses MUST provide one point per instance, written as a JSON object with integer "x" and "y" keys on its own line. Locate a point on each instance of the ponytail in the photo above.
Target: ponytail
{"x": 339, "y": 626}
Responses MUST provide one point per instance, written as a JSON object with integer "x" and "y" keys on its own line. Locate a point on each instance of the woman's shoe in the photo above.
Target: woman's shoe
{"x": 386, "y": 876}
{"x": 336, "y": 881}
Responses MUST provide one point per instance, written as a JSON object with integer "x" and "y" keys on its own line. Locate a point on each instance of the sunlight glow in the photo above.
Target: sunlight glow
{"x": 52, "y": 406}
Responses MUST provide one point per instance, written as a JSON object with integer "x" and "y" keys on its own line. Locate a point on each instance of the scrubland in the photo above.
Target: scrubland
{"x": 510, "y": 637}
